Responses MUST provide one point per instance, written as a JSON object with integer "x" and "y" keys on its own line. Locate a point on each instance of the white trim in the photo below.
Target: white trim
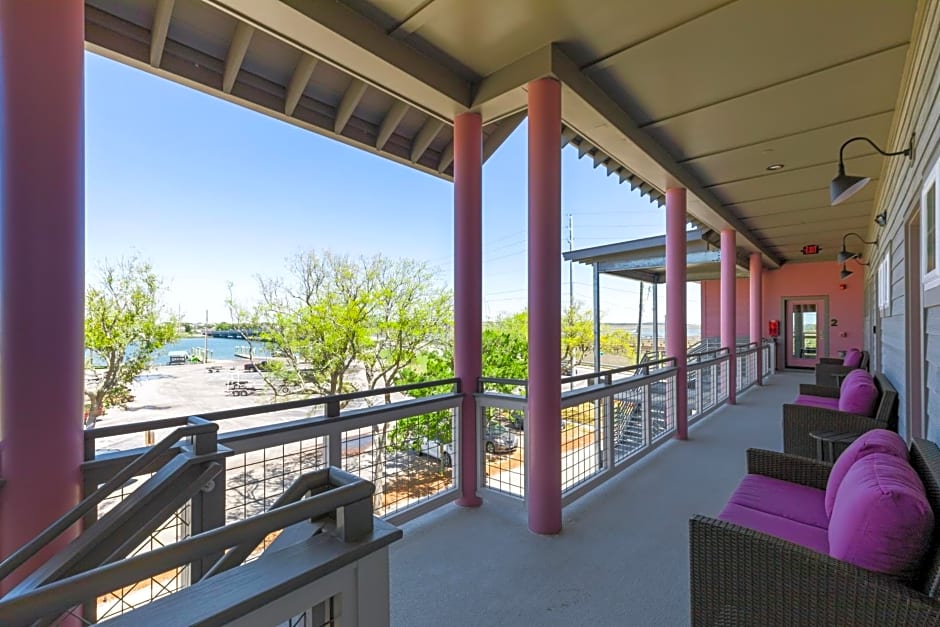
{"x": 931, "y": 189}
{"x": 884, "y": 284}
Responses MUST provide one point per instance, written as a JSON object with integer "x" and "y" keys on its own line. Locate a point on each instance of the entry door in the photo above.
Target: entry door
{"x": 805, "y": 326}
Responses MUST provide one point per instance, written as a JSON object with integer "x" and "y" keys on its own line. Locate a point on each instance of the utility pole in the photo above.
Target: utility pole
{"x": 571, "y": 279}
{"x": 205, "y": 334}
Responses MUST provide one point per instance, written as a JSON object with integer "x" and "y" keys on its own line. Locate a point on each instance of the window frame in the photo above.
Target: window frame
{"x": 884, "y": 284}
{"x": 930, "y": 279}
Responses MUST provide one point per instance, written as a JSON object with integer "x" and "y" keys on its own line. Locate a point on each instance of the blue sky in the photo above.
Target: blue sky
{"x": 210, "y": 192}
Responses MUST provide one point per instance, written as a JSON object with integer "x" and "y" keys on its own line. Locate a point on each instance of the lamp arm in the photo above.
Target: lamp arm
{"x": 864, "y": 241}
{"x": 907, "y": 151}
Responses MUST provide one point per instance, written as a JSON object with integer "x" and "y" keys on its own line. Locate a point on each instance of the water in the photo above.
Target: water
{"x": 219, "y": 348}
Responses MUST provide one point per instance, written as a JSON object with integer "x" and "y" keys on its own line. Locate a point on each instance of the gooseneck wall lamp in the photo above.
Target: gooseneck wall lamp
{"x": 845, "y": 255}
{"x": 846, "y": 273}
{"x": 845, "y": 185}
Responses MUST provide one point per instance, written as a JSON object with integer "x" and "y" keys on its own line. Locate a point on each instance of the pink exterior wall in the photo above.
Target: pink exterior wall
{"x": 795, "y": 280}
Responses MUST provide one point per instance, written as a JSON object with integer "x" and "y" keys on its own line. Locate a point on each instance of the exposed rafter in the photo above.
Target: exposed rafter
{"x": 298, "y": 82}
{"x": 501, "y": 133}
{"x": 424, "y": 138}
{"x": 391, "y": 121}
{"x": 159, "y": 30}
{"x": 599, "y": 158}
{"x": 236, "y": 54}
{"x": 447, "y": 157}
{"x": 584, "y": 148}
{"x": 348, "y": 104}
{"x": 566, "y": 136}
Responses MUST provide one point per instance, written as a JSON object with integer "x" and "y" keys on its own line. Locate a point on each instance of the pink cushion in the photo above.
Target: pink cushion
{"x": 853, "y": 358}
{"x": 881, "y": 519}
{"x": 858, "y": 394}
{"x": 790, "y": 530}
{"x": 874, "y": 441}
{"x": 817, "y": 401}
{"x": 782, "y": 498}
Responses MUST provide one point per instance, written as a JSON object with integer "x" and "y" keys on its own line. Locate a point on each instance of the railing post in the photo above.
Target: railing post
{"x": 334, "y": 441}
{"x": 207, "y": 507}
{"x": 609, "y": 438}
{"x": 648, "y": 414}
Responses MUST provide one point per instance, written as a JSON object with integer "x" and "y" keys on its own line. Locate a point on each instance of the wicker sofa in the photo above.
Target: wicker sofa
{"x": 744, "y": 577}
{"x": 801, "y": 420}
{"x": 828, "y": 368}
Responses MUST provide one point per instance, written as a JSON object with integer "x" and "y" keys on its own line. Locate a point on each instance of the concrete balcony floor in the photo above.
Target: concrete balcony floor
{"x": 623, "y": 557}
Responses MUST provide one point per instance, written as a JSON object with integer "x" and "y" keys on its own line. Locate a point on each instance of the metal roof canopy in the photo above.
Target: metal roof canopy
{"x": 645, "y": 259}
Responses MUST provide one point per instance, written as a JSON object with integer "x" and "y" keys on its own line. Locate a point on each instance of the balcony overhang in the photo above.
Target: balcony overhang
{"x": 645, "y": 259}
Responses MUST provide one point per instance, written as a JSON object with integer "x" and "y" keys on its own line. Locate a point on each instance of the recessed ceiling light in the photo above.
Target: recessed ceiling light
{"x": 775, "y": 166}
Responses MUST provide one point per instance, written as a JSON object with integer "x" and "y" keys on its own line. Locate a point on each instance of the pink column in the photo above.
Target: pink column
{"x": 543, "y": 428}
{"x": 676, "y": 327}
{"x": 756, "y": 272}
{"x": 468, "y": 290}
{"x": 728, "y": 303}
{"x": 41, "y": 307}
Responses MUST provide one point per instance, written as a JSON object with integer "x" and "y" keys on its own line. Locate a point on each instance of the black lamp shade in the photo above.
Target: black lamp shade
{"x": 845, "y": 255}
{"x": 845, "y": 273}
{"x": 844, "y": 186}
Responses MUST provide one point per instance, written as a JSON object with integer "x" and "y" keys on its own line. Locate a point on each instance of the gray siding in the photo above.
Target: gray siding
{"x": 918, "y": 112}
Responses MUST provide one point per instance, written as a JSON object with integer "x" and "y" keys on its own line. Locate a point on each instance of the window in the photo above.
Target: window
{"x": 884, "y": 284}
{"x": 930, "y": 245}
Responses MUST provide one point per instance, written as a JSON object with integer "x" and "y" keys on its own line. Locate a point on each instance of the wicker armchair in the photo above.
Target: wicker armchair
{"x": 828, "y": 368}
{"x": 799, "y": 420}
{"x": 744, "y": 577}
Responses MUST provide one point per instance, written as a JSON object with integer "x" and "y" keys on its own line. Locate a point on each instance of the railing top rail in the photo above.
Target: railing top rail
{"x": 164, "y": 423}
{"x": 317, "y": 425}
{"x": 657, "y": 364}
{"x": 19, "y": 557}
{"x": 576, "y": 397}
{"x": 710, "y": 354}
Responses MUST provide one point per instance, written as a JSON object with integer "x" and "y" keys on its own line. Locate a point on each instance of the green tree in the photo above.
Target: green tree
{"x": 577, "y": 335}
{"x": 619, "y": 342}
{"x": 123, "y": 329}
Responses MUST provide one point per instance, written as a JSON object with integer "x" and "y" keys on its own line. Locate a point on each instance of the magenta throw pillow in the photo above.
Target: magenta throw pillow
{"x": 881, "y": 519}
{"x": 858, "y": 394}
{"x": 874, "y": 441}
{"x": 853, "y": 358}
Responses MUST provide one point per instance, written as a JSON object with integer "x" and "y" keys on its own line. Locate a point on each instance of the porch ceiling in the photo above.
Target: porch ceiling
{"x": 699, "y": 93}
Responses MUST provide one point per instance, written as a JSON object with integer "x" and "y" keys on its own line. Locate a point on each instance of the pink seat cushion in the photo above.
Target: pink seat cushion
{"x": 853, "y": 358}
{"x": 810, "y": 536}
{"x": 817, "y": 401}
{"x": 781, "y": 498}
{"x": 858, "y": 394}
{"x": 874, "y": 441}
{"x": 881, "y": 519}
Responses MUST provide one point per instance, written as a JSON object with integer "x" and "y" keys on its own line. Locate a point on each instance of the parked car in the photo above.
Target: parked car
{"x": 497, "y": 439}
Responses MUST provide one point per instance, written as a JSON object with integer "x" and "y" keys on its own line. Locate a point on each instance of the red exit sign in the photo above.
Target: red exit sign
{"x": 811, "y": 249}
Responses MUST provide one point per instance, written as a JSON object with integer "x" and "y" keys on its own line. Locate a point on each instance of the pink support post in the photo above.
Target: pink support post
{"x": 544, "y": 419}
{"x": 42, "y": 308}
{"x": 468, "y": 290}
{"x": 729, "y": 256}
{"x": 756, "y": 273}
{"x": 676, "y": 315}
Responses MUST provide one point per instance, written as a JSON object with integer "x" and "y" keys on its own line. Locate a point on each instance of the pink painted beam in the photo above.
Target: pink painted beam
{"x": 756, "y": 316}
{"x": 544, "y": 394}
{"x": 728, "y": 312}
{"x": 676, "y": 314}
{"x": 468, "y": 291}
{"x": 41, "y": 324}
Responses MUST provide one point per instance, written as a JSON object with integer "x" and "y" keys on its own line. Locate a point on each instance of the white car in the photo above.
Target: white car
{"x": 498, "y": 439}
